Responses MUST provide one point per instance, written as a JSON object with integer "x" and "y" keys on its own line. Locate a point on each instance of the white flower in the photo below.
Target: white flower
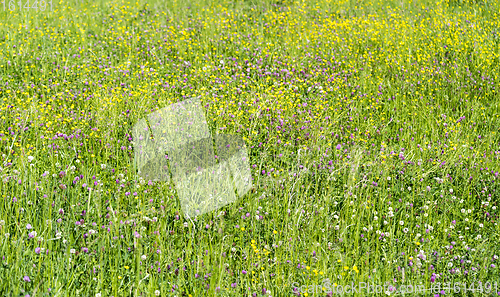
{"x": 450, "y": 264}
{"x": 462, "y": 210}
{"x": 30, "y": 158}
{"x": 337, "y": 227}
{"x": 469, "y": 210}
{"x": 401, "y": 223}
{"x": 143, "y": 257}
{"x": 375, "y": 218}
{"x": 2, "y": 222}
{"x": 405, "y": 230}
{"x": 7, "y": 235}
{"x": 388, "y": 178}
{"x": 495, "y": 257}
{"x": 481, "y": 225}
{"x": 98, "y": 295}
{"x": 451, "y": 190}
{"x": 72, "y": 251}
{"x": 157, "y": 293}
{"x": 386, "y": 222}
{"x": 185, "y": 224}
{"x": 103, "y": 166}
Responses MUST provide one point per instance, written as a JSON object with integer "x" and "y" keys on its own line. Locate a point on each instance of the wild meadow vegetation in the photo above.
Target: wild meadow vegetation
{"x": 372, "y": 129}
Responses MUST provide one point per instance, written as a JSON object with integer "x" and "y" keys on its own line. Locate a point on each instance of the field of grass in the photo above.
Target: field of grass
{"x": 372, "y": 130}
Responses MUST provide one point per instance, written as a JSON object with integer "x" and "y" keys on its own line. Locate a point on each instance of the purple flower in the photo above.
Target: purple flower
{"x": 26, "y": 278}
{"x": 244, "y": 271}
{"x": 37, "y": 250}
{"x": 28, "y": 226}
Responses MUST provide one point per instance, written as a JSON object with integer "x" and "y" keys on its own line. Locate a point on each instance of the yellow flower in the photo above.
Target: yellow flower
{"x": 346, "y": 267}
{"x": 242, "y": 228}
{"x": 126, "y": 267}
{"x": 275, "y": 232}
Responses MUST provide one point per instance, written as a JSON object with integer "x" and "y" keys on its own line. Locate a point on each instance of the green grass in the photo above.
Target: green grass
{"x": 371, "y": 127}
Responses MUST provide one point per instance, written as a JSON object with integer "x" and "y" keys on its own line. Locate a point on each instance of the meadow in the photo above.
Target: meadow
{"x": 372, "y": 129}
